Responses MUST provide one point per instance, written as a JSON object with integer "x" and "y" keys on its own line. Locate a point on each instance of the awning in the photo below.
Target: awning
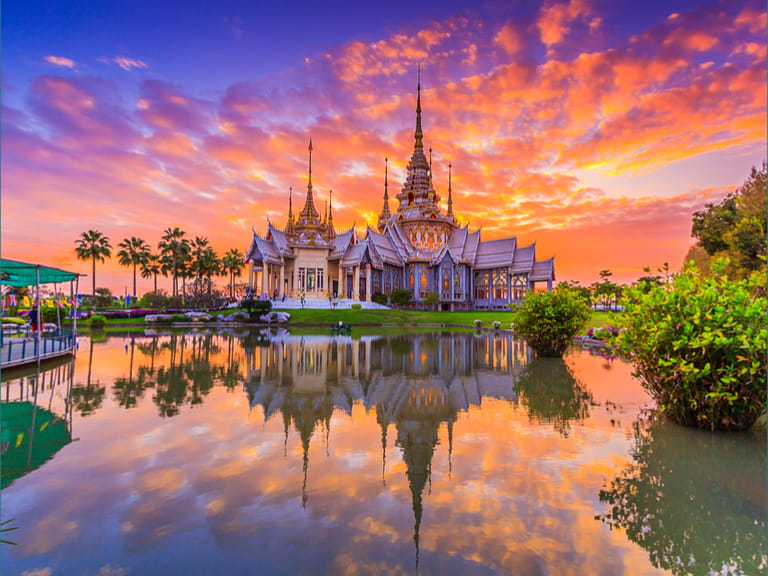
{"x": 13, "y": 273}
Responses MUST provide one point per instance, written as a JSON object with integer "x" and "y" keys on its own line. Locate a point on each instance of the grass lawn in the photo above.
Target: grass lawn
{"x": 314, "y": 317}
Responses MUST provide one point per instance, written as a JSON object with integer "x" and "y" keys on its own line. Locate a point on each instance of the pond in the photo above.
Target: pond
{"x": 273, "y": 453}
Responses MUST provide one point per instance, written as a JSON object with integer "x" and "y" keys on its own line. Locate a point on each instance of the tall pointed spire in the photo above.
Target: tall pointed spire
{"x": 310, "y": 164}
{"x": 309, "y": 219}
{"x": 450, "y": 197}
{"x": 385, "y": 213}
{"x": 419, "y": 135}
{"x": 289, "y": 224}
{"x": 331, "y": 229}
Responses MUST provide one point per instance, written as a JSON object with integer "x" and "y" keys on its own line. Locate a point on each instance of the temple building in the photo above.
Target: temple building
{"x": 418, "y": 248}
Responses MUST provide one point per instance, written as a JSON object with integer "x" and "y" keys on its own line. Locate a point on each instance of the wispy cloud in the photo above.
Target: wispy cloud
{"x": 127, "y": 64}
{"x": 60, "y": 61}
{"x": 548, "y": 141}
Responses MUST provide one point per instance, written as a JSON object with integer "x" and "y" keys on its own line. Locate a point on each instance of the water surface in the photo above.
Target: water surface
{"x": 268, "y": 453}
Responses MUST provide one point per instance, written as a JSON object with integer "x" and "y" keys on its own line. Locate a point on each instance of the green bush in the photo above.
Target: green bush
{"x": 97, "y": 321}
{"x": 257, "y": 306}
{"x": 356, "y": 306}
{"x": 400, "y": 297}
{"x": 51, "y": 315}
{"x": 699, "y": 346}
{"x": 379, "y": 298}
{"x": 154, "y": 300}
{"x": 548, "y": 321}
{"x": 17, "y": 321}
{"x": 180, "y": 318}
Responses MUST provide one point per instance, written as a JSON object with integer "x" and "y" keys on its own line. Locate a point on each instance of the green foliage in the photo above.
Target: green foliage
{"x": 180, "y": 318}
{"x": 154, "y": 300}
{"x": 97, "y": 321}
{"x": 51, "y": 315}
{"x": 379, "y": 298}
{"x": 432, "y": 300}
{"x": 699, "y": 345}
{"x": 259, "y": 306}
{"x": 17, "y": 321}
{"x": 400, "y": 297}
{"x": 93, "y": 246}
{"x": 104, "y": 298}
{"x": 356, "y": 306}
{"x": 548, "y": 321}
{"x": 736, "y": 227}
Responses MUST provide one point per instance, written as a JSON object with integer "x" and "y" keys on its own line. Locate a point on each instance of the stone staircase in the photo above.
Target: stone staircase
{"x": 318, "y": 303}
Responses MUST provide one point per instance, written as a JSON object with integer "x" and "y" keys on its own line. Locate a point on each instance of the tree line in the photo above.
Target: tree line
{"x": 177, "y": 256}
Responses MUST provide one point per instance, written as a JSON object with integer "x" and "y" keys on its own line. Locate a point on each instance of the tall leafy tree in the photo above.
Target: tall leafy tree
{"x": 736, "y": 227}
{"x": 232, "y": 265}
{"x": 174, "y": 249}
{"x": 204, "y": 263}
{"x": 151, "y": 268}
{"x": 93, "y": 245}
{"x": 133, "y": 252}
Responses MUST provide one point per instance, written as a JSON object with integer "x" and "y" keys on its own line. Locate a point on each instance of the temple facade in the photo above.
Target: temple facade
{"x": 418, "y": 247}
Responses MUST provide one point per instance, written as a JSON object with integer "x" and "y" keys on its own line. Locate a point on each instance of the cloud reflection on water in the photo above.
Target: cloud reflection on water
{"x": 337, "y": 456}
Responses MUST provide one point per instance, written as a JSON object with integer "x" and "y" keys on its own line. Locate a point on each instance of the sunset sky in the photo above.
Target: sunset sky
{"x": 594, "y": 128}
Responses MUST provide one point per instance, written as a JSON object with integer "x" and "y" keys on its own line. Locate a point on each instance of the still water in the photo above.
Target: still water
{"x": 272, "y": 453}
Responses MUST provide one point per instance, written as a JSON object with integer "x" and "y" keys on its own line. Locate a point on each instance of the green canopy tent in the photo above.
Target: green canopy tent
{"x": 16, "y": 273}
{"x": 13, "y": 273}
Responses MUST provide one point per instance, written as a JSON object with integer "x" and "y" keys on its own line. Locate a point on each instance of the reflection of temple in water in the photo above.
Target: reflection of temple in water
{"x": 416, "y": 382}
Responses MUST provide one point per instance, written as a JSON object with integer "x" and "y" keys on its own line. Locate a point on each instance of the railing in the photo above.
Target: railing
{"x": 23, "y": 350}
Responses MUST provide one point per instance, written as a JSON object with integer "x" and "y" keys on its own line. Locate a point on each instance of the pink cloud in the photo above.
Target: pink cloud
{"x": 60, "y": 61}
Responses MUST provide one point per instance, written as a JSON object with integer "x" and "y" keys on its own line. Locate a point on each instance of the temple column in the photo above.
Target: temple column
{"x": 264, "y": 278}
{"x": 368, "y": 283}
{"x": 282, "y": 280}
{"x": 356, "y": 283}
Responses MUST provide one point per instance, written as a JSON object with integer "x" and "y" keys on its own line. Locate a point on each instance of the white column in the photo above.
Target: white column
{"x": 356, "y": 283}
{"x": 264, "y": 278}
{"x": 368, "y": 283}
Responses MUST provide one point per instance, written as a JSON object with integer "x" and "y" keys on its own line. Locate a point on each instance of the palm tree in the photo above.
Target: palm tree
{"x": 93, "y": 245}
{"x": 205, "y": 262}
{"x": 151, "y": 267}
{"x": 134, "y": 252}
{"x": 232, "y": 264}
{"x": 173, "y": 248}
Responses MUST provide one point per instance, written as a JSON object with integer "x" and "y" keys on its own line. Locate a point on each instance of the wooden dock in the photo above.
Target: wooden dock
{"x": 23, "y": 351}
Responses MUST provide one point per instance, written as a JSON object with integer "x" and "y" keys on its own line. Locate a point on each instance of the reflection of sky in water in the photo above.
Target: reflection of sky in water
{"x": 329, "y": 460}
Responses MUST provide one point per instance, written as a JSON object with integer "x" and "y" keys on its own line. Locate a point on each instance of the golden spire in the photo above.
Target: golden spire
{"x": 331, "y": 230}
{"x": 419, "y": 135}
{"x": 289, "y": 224}
{"x": 450, "y": 197}
{"x": 385, "y": 213}
{"x": 309, "y": 216}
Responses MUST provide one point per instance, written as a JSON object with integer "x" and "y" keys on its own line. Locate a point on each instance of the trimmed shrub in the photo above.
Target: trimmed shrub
{"x": 356, "y": 306}
{"x": 97, "y": 321}
{"x": 400, "y": 297}
{"x": 477, "y": 323}
{"x": 548, "y": 321}
{"x": 699, "y": 346}
{"x": 379, "y": 298}
{"x": 496, "y": 324}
